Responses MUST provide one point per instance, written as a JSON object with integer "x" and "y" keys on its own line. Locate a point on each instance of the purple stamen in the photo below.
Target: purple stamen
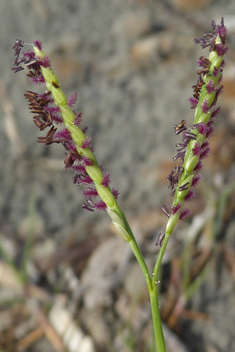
{"x": 198, "y": 166}
{"x": 204, "y": 153}
{"x": 165, "y": 211}
{"x": 78, "y": 119}
{"x": 184, "y": 214}
{"x": 179, "y": 155}
{"x": 196, "y": 179}
{"x": 100, "y": 205}
{"x": 196, "y": 150}
{"x": 189, "y": 195}
{"x": 210, "y": 87}
{"x": 193, "y": 101}
{"x": 160, "y": 239}
{"x": 38, "y": 44}
{"x": 183, "y": 187}
{"x": 87, "y": 161}
{"x": 205, "y": 106}
{"x": 90, "y": 192}
{"x": 189, "y": 135}
{"x": 86, "y": 143}
{"x": 106, "y": 180}
{"x": 72, "y": 99}
{"x": 201, "y": 127}
{"x": 115, "y": 193}
{"x": 175, "y": 208}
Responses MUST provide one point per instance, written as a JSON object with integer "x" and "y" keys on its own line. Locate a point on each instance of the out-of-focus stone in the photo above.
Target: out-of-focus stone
{"x": 150, "y": 48}
{"x": 173, "y": 343}
{"x": 99, "y": 332}
{"x": 231, "y": 117}
{"x": 132, "y": 24}
{"x": 145, "y": 50}
{"x": 9, "y": 246}
{"x": 43, "y": 252}
{"x": 9, "y": 278}
{"x": 33, "y": 226}
{"x": 133, "y": 312}
{"x": 166, "y": 43}
{"x": 227, "y": 98}
{"x": 222, "y": 147}
{"x": 32, "y": 271}
{"x": 190, "y": 4}
{"x": 6, "y": 320}
{"x": 135, "y": 284}
{"x": 105, "y": 267}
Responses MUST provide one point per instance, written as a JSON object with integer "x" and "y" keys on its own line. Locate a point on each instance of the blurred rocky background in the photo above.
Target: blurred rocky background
{"x": 67, "y": 281}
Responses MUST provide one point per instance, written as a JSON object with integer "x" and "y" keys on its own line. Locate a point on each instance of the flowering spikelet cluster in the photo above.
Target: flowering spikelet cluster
{"x": 48, "y": 109}
{"x": 52, "y": 109}
{"x": 195, "y": 146}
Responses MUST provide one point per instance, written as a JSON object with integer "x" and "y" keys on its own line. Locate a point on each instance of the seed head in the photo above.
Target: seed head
{"x": 51, "y": 109}
{"x": 195, "y": 140}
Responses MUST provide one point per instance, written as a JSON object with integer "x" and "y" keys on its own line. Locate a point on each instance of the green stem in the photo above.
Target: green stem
{"x": 152, "y": 288}
{"x": 159, "y": 258}
{"x": 135, "y": 249}
{"x": 157, "y": 324}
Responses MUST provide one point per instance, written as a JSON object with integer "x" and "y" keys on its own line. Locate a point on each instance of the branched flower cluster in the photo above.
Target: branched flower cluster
{"x": 195, "y": 140}
{"x": 52, "y": 109}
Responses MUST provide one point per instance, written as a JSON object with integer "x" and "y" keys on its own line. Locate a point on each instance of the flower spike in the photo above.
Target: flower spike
{"x": 195, "y": 146}
{"x": 53, "y": 108}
